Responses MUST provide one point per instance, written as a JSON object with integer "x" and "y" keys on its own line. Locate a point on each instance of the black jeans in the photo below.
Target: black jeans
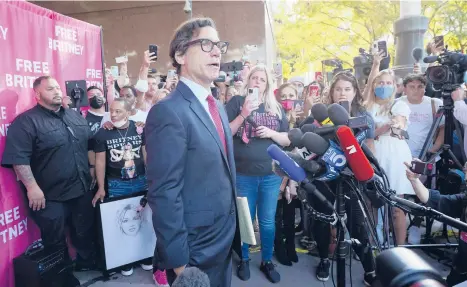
{"x": 285, "y": 221}
{"x": 355, "y": 225}
{"x": 53, "y": 219}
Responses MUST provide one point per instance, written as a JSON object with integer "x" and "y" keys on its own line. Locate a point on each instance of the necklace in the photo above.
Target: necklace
{"x": 123, "y": 137}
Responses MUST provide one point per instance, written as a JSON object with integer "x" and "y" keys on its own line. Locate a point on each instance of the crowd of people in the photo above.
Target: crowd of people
{"x": 195, "y": 153}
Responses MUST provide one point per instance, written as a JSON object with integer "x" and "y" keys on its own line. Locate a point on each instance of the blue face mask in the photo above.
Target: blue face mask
{"x": 465, "y": 77}
{"x": 384, "y": 92}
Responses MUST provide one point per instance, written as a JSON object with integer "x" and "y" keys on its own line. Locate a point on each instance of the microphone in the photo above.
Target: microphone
{"x": 402, "y": 267}
{"x": 417, "y": 54}
{"x": 308, "y": 120}
{"x": 331, "y": 154}
{"x": 192, "y": 277}
{"x": 295, "y": 137}
{"x": 320, "y": 113}
{"x": 345, "y": 105}
{"x": 358, "y": 162}
{"x": 338, "y": 115}
{"x": 295, "y": 173}
{"x": 430, "y": 59}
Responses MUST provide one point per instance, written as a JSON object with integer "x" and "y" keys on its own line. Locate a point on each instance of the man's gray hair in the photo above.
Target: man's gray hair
{"x": 184, "y": 34}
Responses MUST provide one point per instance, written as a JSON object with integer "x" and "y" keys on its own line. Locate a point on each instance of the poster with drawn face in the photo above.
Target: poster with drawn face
{"x": 128, "y": 235}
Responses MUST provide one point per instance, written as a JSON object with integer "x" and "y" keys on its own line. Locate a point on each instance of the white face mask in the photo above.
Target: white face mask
{"x": 119, "y": 124}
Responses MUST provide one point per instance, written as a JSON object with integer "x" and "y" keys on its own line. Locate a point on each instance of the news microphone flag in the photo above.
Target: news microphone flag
{"x": 356, "y": 159}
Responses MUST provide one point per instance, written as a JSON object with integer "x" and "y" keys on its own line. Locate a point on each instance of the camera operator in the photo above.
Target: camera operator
{"x": 460, "y": 110}
{"x": 453, "y": 205}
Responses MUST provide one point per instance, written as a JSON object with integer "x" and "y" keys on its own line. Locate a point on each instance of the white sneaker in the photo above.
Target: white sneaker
{"x": 127, "y": 271}
{"x": 146, "y": 267}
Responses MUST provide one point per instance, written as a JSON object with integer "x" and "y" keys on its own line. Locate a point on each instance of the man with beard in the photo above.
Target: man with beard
{"x": 47, "y": 147}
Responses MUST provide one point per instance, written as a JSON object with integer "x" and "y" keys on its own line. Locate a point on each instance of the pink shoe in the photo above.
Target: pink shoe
{"x": 160, "y": 278}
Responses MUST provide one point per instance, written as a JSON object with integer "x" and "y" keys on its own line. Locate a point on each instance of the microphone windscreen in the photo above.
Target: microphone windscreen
{"x": 295, "y": 136}
{"x": 320, "y": 113}
{"x": 417, "y": 54}
{"x": 288, "y": 165}
{"x": 308, "y": 128}
{"x": 358, "y": 162}
{"x": 192, "y": 277}
{"x": 338, "y": 115}
{"x": 315, "y": 143}
{"x": 278, "y": 170}
{"x": 308, "y": 120}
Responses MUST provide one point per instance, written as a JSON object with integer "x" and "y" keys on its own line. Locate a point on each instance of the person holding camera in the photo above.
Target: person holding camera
{"x": 453, "y": 205}
{"x": 460, "y": 110}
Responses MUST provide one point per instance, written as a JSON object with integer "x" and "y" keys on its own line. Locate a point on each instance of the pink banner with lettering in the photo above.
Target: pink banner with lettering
{"x": 34, "y": 41}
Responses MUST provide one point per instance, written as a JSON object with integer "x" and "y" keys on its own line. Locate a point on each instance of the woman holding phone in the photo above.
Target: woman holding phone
{"x": 257, "y": 121}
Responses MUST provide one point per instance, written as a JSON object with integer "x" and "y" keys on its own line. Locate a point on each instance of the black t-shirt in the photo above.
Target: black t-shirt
{"x": 123, "y": 151}
{"x": 252, "y": 158}
{"x": 55, "y": 146}
{"x": 453, "y": 205}
{"x": 94, "y": 122}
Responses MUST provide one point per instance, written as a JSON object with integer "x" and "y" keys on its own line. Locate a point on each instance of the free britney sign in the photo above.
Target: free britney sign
{"x": 34, "y": 41}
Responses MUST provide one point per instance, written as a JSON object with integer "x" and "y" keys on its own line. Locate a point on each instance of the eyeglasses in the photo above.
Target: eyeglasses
{"x": 207, "y": 45}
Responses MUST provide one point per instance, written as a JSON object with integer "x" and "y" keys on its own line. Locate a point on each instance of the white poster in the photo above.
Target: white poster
{"x": 128, "y": 234}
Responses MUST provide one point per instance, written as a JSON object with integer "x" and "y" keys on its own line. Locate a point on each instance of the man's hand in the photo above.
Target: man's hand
{"x": 179, "y": 270}
{"x": 417, "y": 68}
{"x": 411, "y": 176}
{"x": 149, "y": 58}
{"x": 458, "y": 95}
{"x": 108, "y": 126}
{"x": 36, "y": 198}
{"x": 100, "y": 194}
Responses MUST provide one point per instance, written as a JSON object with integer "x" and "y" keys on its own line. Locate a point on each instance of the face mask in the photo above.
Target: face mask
{"x": 96, "y": 102}
{"x": 287, "y": 105}
{"x": 384, "y": 92}
{"x": 465, "y": 77}
{"x": 119, "y": 124}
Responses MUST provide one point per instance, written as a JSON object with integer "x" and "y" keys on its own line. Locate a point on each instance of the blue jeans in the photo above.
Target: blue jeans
{"x": 119, "y": 187}
{"x": 264, "y": 192}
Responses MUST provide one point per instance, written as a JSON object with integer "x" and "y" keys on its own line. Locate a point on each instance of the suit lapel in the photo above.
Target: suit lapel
{"x": 204, "y": 117}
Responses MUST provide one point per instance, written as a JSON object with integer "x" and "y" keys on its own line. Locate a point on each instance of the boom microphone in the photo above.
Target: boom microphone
{"x": 320, "y": 113}
{"x": 192, "y": 277}
{"x": 417, "y": 54}
{"x": 358, "y": 162}
{"x": 295, "y": 173}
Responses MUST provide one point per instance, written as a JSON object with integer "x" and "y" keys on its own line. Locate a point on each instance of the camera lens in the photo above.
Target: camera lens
{"x": 438, "y": 75}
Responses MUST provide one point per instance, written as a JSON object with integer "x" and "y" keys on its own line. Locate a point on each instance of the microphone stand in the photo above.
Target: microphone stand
{"x": 341, "y": 229}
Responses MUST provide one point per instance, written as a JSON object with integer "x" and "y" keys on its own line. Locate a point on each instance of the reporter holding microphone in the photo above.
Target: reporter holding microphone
{"x": 256, "y": 124}
{"x": 453, "y": 205}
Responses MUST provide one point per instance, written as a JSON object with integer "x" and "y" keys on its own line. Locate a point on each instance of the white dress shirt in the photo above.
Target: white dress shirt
{"x": 200, "y": 92}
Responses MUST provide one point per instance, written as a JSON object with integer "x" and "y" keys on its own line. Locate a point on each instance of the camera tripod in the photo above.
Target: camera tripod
{"x": 448, "y": 158}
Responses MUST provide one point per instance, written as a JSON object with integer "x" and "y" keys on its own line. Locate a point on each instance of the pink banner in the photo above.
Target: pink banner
{"x": 34, "y": 41}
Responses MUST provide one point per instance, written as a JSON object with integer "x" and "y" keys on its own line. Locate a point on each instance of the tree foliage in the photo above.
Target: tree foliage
{"x": 309, "y": 32}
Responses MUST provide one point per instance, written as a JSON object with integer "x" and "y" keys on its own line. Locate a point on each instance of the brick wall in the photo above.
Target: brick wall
{"x": 130, "y": 26}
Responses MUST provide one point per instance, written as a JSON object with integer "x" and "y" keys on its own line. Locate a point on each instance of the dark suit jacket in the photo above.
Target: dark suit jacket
{"x": 191, "y": 182}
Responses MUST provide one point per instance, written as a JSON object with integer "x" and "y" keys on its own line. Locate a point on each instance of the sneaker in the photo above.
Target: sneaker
{"x": 243, "y": 270}
{"x": 322, "y": 272}
{"x": 160, "y": 278}
{"x": 269, "y": 270}
{"x": 126, "y": 270}
{"x": 369, "y": 278}
{"x": 146, "y": 264}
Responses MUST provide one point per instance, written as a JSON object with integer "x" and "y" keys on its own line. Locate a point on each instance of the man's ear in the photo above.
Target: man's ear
{"x": 180, "y": 58}
{"x": 37, "y": 94}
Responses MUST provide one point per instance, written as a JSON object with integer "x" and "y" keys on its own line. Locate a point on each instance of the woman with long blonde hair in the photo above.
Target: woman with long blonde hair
{"x": 391, "y": 149}
{"x": 256, "y": 123}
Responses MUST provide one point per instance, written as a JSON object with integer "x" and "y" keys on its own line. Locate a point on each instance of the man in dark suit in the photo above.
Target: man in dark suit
{"x": 190, "y": 162}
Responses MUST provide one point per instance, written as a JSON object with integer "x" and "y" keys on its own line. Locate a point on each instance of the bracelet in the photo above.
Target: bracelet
{"x": 92, "y": 166}
{"x": 243, "y": 117}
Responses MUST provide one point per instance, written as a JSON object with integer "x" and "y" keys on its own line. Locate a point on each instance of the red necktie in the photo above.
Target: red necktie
{"x": 217, "y": 120}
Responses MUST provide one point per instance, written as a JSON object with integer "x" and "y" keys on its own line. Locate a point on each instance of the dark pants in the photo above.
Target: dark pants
{"x": 53, "y": 219}
{"x": 455, "y": 278}
{"x": 285, "y": 221}
{"x": 219, "y": 275}
{"x": 355, "y": 225}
